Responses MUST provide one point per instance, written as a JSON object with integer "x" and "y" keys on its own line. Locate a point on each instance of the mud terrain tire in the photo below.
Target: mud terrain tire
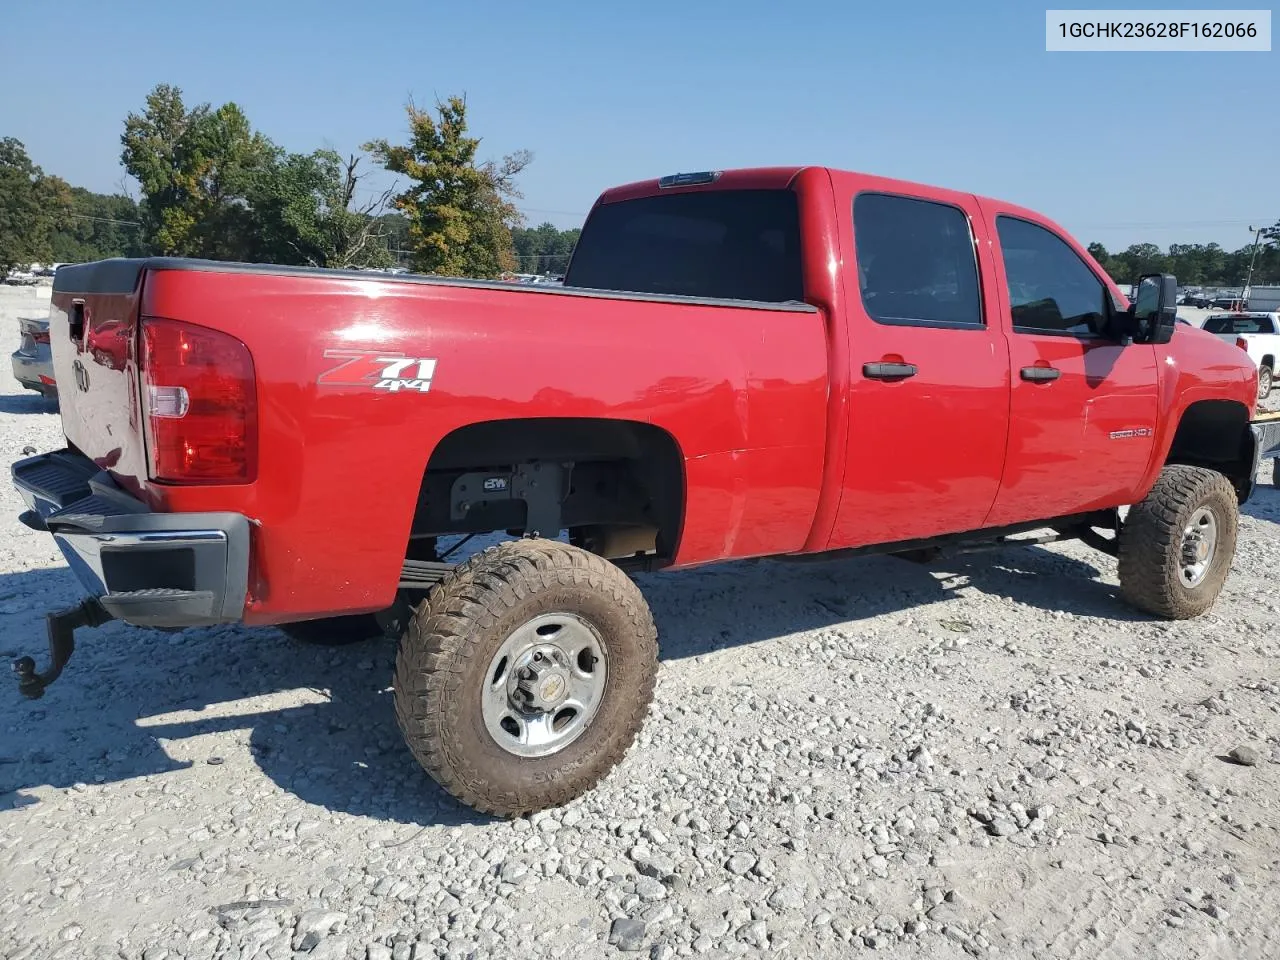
{"x": 1161, "y": 536}
{"x": 447, "y": 653}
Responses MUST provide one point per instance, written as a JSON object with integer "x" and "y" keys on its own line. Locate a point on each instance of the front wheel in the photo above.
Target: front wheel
{"x": 1265, "y": 380}
{"x": 525, "y": 676}
{"x": 1176, "y": 546}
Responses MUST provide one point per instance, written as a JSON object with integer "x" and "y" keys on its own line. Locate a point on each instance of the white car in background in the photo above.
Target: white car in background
{"x": 1257, "y": 334}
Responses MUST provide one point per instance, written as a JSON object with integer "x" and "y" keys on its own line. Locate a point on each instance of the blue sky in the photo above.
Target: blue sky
{"x": 1121, "y": 148}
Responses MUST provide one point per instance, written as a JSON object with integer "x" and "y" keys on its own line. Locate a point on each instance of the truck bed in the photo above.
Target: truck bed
{"x": 741, "y": 384}
{"x": 1267, "y": 426}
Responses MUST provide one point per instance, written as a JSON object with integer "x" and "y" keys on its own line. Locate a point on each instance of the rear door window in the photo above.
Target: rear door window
{"x": 916, "y": 262}
{"x": 722, "y": 244}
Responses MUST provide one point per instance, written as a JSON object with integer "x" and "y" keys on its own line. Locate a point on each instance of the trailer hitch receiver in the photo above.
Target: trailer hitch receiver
{"x": 61, "y": 626}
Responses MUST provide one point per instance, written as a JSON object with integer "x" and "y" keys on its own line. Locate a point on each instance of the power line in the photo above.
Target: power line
{"x": 1169, "y": 223}
{"x": 81, "y": 216}
{"x": 564, "y": 213}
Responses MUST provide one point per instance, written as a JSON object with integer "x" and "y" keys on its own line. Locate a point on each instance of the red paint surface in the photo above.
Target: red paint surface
{"x": 786, "y": 446}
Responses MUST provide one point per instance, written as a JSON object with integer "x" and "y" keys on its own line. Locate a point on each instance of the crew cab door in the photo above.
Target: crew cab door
{"x": 1083, "y": 409}
{"x": 928, "y": 409}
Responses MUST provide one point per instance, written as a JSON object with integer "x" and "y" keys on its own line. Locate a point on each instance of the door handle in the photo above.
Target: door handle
{"x": 888, "y": 371}
{"x": 1040, "y": 374}
{"x": 76, "y": 321}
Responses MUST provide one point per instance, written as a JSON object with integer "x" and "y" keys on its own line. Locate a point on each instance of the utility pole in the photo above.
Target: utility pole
{"x": 1257, "y": 236}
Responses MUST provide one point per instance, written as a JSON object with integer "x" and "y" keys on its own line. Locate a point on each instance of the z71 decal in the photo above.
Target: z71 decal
{"x": 378, "y": 371}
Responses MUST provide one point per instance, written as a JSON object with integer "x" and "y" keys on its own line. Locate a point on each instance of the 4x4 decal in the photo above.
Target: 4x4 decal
{"x": 378, "y": 371}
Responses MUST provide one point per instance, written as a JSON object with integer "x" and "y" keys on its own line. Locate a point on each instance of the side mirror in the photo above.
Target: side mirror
{"x": 1155, "y": 307}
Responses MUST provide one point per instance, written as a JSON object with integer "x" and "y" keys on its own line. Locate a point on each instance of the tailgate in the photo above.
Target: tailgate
{"x": 93, "y": 322}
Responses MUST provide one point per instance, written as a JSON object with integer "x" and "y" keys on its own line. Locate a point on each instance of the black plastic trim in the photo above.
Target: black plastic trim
{"x": 121, "y": 276}
{"x": 889, "y": 371}
{"x": 938, "y": 324}
{"x": 117, "y": 275}
{"x": 1038, "y": 332}
{"x": 1040, "y": 374}
{"x": 163, "y": 608}
{"x": 61, "y": 478}
{"x": 990, "y": 536}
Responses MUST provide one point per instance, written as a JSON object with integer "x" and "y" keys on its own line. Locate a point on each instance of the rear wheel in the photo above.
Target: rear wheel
{"x": 1176, "y": 546}
{"x": 1265, "y": 378}
{"x": 525, "y": 676}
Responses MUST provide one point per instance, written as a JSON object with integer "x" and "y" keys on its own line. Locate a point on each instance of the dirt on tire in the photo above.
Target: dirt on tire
{"x": 1150, "y": 558}
{"x": 444, "y": 655}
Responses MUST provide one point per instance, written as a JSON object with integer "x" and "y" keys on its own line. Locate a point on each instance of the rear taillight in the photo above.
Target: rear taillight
{"x": 1243, "y": 344}
{"x": 199, "y": 404}
{"x": 40, "y": 336}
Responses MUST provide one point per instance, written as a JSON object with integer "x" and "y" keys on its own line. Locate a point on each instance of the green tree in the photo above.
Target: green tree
{"x": 395, "y": 227}
{"x": 1106, "y": 261}
{"x": 32, "y": 206}
{"x": 1194, "y": 264}
{"x": 99, "y": 226}
{"x": 305, "y": 210}
{"x": 544, "y": 249}
{"x": 194, "y": 168}
{"x": 1136, "y": 260}
{"x": 155, "y": 154}
{"x": 460, "y": 212}
{"x": 351, "y": 233}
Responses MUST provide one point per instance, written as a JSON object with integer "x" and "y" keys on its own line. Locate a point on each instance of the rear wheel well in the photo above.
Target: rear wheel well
{"x": 1269, "y": 361}
{"x": 1215, "y": 434}
{"x": 617, "y": 486}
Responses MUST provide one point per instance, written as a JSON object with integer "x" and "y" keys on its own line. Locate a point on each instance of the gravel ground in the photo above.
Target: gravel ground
{"x": 992, "y": 755}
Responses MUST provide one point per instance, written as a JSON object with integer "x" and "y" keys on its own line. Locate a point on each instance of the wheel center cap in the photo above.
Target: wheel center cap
{"x": 541, "y": 681}
{"x": 552, "y": 688}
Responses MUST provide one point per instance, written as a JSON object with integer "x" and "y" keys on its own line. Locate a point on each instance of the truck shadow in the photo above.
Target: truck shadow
{"x": 27, "y": 403}
{"x": 1265, "y": 502}
{"x": 756, "y": 600}
{"x": 319, "y": 722}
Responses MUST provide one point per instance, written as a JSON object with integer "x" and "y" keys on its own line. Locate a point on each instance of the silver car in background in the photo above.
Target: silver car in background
{"x": 33, "y": 360}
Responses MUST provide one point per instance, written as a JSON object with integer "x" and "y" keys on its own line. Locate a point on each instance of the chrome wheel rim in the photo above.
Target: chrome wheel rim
{"x": 544, "y": 685}
{"x": 1199, "y": 543}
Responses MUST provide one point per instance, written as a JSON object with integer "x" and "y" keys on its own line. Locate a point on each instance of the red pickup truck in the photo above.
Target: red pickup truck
{"x": 739, "y": 364}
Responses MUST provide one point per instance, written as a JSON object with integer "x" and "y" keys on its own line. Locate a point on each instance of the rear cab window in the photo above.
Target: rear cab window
{"x": 1233, "y": 324}
{"x": 719, "y": 244}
